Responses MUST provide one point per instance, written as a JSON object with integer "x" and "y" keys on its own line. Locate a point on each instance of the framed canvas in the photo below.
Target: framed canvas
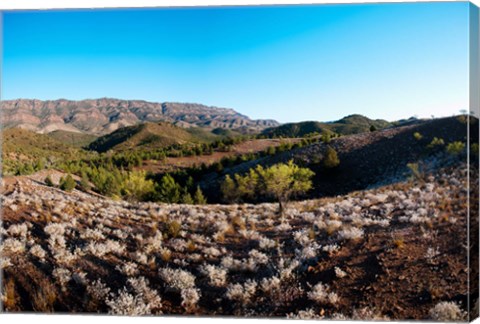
{"x": 303, "y": 161}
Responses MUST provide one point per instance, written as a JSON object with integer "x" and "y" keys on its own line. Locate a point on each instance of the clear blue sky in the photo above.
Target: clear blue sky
{"x": 291, "y": 63}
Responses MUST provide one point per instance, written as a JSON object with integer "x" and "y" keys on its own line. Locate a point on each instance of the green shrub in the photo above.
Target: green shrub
{"x": 417, "y": 136}
{"x": 436, "y": 142}
{"x": 326, "y": 138}
{"x": 455, "y": 148}
{"x": 415, "y": 169}
{"x": 331, "y": 159}
{"x": 271, "y": 150}
{"x": 67, "y": 183}
{"x": 49, "y": 182}
{"x": 474, "y": 148}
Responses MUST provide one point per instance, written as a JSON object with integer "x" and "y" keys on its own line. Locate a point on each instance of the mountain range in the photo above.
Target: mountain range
{"x": 105, "y": 115}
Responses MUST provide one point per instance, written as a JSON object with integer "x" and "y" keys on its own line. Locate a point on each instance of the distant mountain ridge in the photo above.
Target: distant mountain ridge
{"x": 105, "y": 115}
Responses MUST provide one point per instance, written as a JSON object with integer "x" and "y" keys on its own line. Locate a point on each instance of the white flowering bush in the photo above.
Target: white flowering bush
{"x": 128, "y": 268}
{"x": 62, "y": 275}
{"x": 217, "y": 275}
{"x": 271, "y": 285}
{"x": 340, "y": 273}
{"x": 177, "y": 278}
{"x": 320, "y": 294}
{"x": 331, "y": 248}
{"x": 98, "y": 290}
{"x": 242, "y": 293}
{"x": 19, "y": 230}
{"x": 190, "y": 298}
{"x": 12, "y": 246}
{"x": 124, "y": 303}
{"x": 447, "y": 312}
{"x": 308, "y": 314}
{"x": 264, "y": 243}
{"x": 38, "y": 252}
{"x": 351, "y": 233}
{"x": 141, "y": 286}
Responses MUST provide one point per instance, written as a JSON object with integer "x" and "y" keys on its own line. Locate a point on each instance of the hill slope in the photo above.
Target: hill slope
{"x": 352, "y": 124}
{"x": 72, "y": 138}
{"x": 103, "y": 116}
{"x": 144, "y": 136}
{"x": 20, "y": 146}
{"x": 365, "y": 159}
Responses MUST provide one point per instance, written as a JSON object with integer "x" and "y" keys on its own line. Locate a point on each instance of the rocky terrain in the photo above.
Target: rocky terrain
{"x": 352, "y": 256}
{"x": 103, "y": 116}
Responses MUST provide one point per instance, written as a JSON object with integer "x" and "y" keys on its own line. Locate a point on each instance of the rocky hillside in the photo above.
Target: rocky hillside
{"x": 103, "y": 116}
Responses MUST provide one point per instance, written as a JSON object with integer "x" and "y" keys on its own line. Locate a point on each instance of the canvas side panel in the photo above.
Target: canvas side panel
{"x": 1, "y": 141}
{"x": 474, "y": 157}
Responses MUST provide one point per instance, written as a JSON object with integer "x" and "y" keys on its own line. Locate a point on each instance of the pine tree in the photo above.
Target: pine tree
{"x": 169, "y": 191}
{"x": 199, "y": 198}
{"x": 84, "y": 182}
{"x": 229, "y": 190}
{"x": 187, "y": 198}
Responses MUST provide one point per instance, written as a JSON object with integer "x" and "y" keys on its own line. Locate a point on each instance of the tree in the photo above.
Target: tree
{"x": 199, "y": 198}
{"x": 67, "y": 183}
{"x": 229, "y": 190}
{"x": 84, "y": 182}
{"x": 169, "y": 191}
{"x": 247, "y": 185}
{"x": 331, "y": 159}
{"x": 373, "y": 128}
{"x": 136, "y": 186}
{"x": 187, "y": 198}
{"x": 282, "y": 181}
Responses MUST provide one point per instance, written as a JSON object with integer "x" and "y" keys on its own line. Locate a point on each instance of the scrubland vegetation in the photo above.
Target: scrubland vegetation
{"x": 330, "y": 258}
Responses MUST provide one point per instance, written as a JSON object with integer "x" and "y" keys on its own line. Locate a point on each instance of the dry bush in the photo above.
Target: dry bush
{"x": 44, "y": 298}
{"x": 10, "y": 297}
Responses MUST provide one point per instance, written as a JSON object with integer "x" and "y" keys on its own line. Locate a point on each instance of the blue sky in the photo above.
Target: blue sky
{"x": 289, "y": 63}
